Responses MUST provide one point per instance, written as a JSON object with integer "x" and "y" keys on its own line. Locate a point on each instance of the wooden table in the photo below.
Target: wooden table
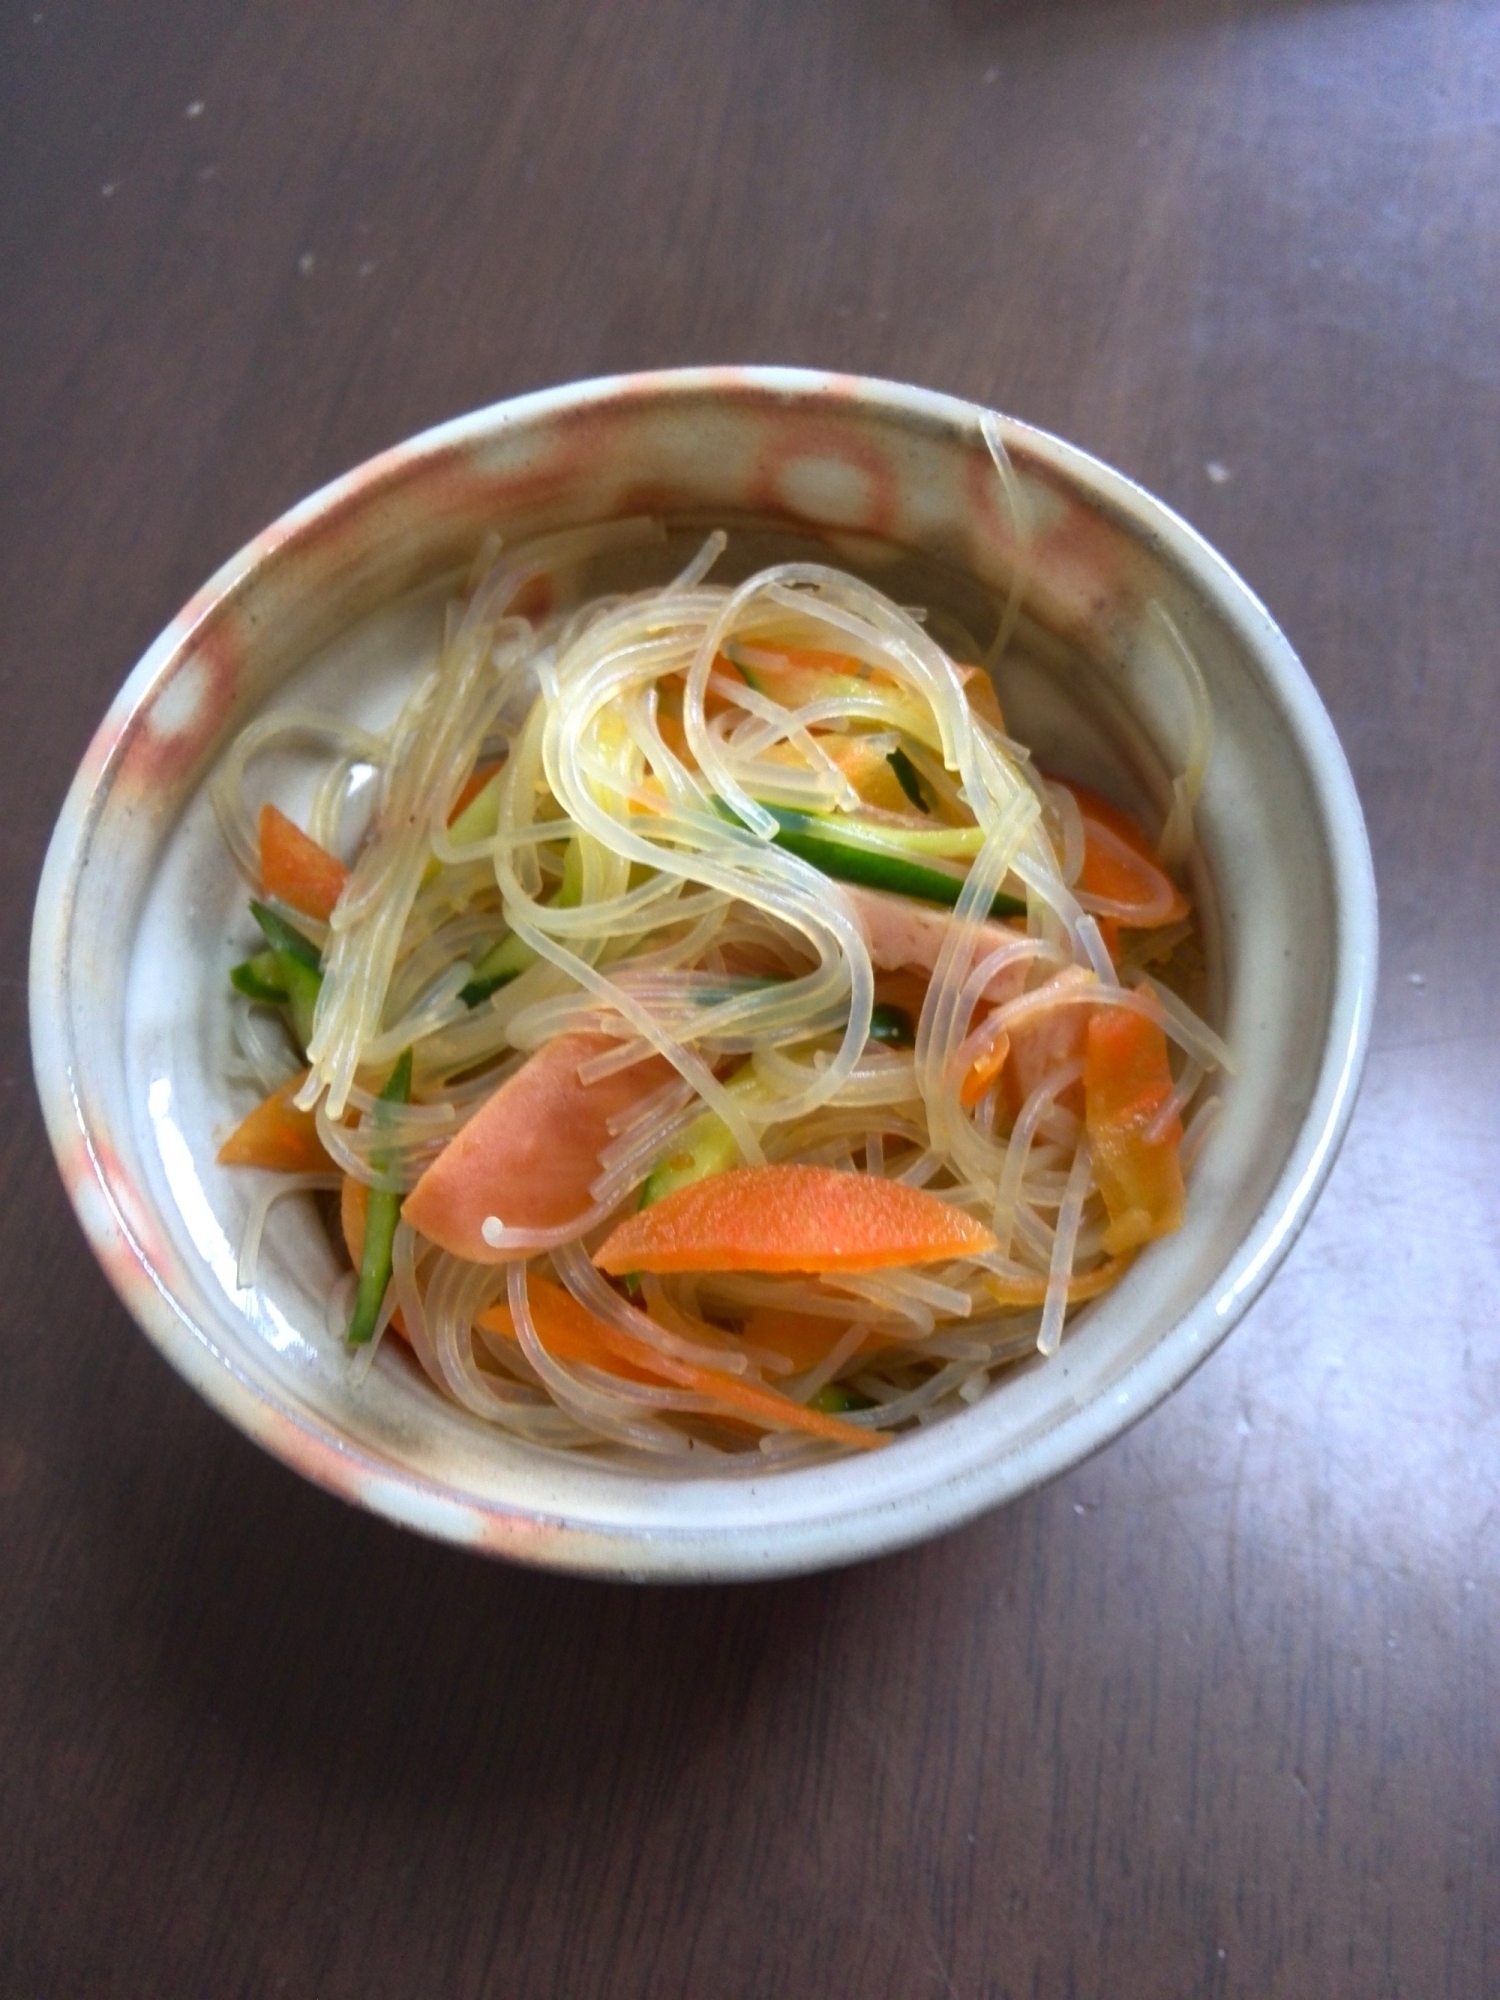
{"x": 1215, "y": 1715}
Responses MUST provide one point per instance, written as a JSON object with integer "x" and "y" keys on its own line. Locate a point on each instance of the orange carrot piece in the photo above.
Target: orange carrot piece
{"x": 868, "y": 769}
{"x": 771, "y": 657}
{"x": 1033, "y": 1291}
{"x": 295, "y": 870}
{"x": 791, "y": 1218}
{"x": 762, "y": 1406}
{"x": 570, "y": 1331}
{"x": 279, "y": 1136}
{"x": 354, "y": 1206}
{"x": 1126, "y": 1083}
{"x": 983, "y": 1071}
{"x": 675, "y": 737}
{"x": 798, "y": 674}
{"x": 1134, "y": 877}
{"x": 801, "y": 1339}
{"x": 979, "y": 692}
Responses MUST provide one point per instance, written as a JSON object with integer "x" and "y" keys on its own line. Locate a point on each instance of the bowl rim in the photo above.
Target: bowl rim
{"x": 315, "y": 1447}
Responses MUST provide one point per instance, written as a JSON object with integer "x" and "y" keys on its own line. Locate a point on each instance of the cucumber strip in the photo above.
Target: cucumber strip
{"x": 480, "y": 816}
{"x": 570, "y": 895}
{"x": 923, "y": 845}
{"x": 381, "y": 1217}
{"x": 893, "y": 1026}
{"x": 302, "y": 990}
{"x": 282, "y": 936}
{"x": 259, "y": 978}
{"x": 298, "y": 968}
{"x": 506, "y": 960}
{"x": 840, "y": 852}
{"x": 502, "y": 963}
{"x": 827, "y": 680}
{"x": 907, "y": 779}
{"x": 833, "y": 1400}
{"x": 706, "y": 1147}
{"x": 476, "y": 822}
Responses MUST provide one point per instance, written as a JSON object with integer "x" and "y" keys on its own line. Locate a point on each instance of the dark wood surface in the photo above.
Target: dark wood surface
{"x": 1215, "y": 1715}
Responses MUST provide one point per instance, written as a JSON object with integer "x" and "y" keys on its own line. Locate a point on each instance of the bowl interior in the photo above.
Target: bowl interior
{"x": 142, "y": 913}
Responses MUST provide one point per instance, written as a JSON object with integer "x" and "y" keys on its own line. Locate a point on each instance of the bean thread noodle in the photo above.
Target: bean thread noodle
{"x": 640, "y": 758}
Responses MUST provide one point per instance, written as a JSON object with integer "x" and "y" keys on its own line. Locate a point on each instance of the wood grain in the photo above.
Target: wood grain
{"x": 1214, "y": 1716}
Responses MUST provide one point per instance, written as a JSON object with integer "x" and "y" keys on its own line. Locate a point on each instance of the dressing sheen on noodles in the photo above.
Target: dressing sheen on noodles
{"x": 722, "y": 1042}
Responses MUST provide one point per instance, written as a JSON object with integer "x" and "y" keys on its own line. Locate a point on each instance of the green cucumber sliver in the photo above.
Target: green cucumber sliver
{"x": 302, "y": 989}
{"x": 873, "y": 868}
{"x": 846, "y": 858}
{"x": 259, "y": 978}
{"x": 502, "y": 963}
{"x": 480, "y": 816}
{"x": 907, "y": 779}
{"x": 282, "y": 936}
{"x": 381, "y": 1216}
{"x": 892, "y": 1025}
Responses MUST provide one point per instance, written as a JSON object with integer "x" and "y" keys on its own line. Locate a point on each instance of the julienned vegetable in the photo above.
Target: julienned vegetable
{"x": 276, "y": 1134}
{"x": 850, "y": 852}
{"x": 1133, "y": 1128}
{"x": 727, "y": 1041}
{"x": 295, "y": 870}
{"x": 297, "y": 969}
{"x": 791, "y": 1218}
{"x": 572, "y": 1333}
{"x": 382, "y": 1213}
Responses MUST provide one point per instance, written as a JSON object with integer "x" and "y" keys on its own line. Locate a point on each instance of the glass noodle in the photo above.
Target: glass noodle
{"x": 640, "y": 759}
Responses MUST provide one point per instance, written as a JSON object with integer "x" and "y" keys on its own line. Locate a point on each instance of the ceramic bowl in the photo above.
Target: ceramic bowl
{"x": 139, "y": 914}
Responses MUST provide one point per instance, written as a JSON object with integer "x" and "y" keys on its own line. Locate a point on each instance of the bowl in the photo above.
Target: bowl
{"x": 132, "y": 932}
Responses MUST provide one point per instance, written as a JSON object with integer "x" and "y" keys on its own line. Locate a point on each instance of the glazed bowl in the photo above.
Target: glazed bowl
{"x": 331, "y": 606}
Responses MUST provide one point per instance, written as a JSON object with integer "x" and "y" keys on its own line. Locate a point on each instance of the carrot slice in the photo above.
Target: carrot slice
{"x": 1126, "y": 1083}
{"x": 1118, "y": 864}
{"x": 295, "y": 870}
{"x": 570, "y": 1331}
{"x": 1033, "y": 1291}
{"x": 983, "y": 1071}
{"x": 791, "y": 1218}
{"x": 354, "y": 1206}
{"x": 794, "y": 675}
{"x": 279, "y": 1136}
{"x": 802, "y": 1339}
{"x": 979, "y": 692}
{"x": 868, "y": 769}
